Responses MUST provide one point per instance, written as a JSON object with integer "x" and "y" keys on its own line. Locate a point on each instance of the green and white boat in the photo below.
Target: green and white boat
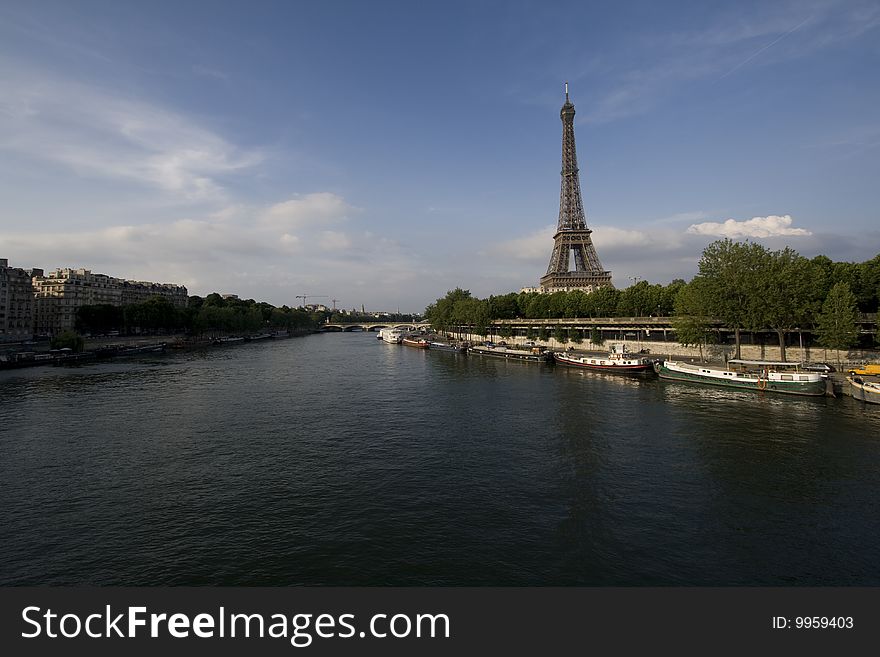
{"x": 758, "y": 375}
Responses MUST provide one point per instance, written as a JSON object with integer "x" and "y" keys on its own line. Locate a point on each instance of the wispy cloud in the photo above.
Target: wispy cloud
{"x": 233, "y": 250}
{"x": 96, "y": 133}
{"x": 317, "y": 208}
{"x": 732, "y": 43}
{"x": 765, "y": 47}
{"x": 208, "y": 72}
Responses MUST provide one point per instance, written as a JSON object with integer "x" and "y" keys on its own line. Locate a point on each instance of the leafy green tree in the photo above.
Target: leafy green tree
{"x": 604, "y": 301}
{"x": 788, "y": 288}
{"x": 825, "y": 266}
{"x": 692, "y": 320}
{"x": 214, "y": 299}
{"x": 505, "y": 306}
{"x": 466, "y": 313}
{"x": 441, "y": 313}
{"x": 99, "y": 318}
{"x": 838, "y": 326}
{"x": 557, "y": 305}
{"x": 596, "y": 337}
{"x": 667, "y": 297}
{"x": 544, "y": 334}
{"x": 640, "y": 300}
{"x": 156, "y": 313}
{"x": 560, "y": 334}
{"x": 733, "y": 271}
{"x": 482, "y": 320}
{"x": 574, "y": 302}
{"x": 537, "y": 306}
{"x": 871, "y": 285}
{"x": 576, "y": 336}
{"x": 68, "y": 340}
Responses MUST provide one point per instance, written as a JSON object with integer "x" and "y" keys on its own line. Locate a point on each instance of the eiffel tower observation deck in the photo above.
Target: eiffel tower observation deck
{"x": 572, "y": 244}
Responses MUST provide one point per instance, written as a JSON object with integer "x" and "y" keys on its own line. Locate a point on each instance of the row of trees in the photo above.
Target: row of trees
{"x": 640, "y": 300}
{"x": 212, "y": 314}
{"x": 744, "y": 285}
{"x": 751, "y": 288}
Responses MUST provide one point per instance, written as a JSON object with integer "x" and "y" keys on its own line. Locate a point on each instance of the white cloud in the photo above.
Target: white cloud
{"x": 290, "y": 242}
{"x": 334, "y": 241}
{"x": 609, "y": 238}
{"x": 231, "y": 250}
{"x": 652, "y": 253}
{"x": 318, "y": 208}
{"x": 758, "y": 227}
{"x": 100, "y": 134}
{"x": 535, "y": 246}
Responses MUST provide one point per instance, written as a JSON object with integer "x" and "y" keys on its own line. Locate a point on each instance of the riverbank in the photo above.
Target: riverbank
{"x": 713, "y": 353}
{"x": 99, "y": 348}
{"x": 715, "y": 357}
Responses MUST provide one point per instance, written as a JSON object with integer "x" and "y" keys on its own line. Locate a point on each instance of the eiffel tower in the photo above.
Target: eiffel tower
{"x": 572, "y": 235}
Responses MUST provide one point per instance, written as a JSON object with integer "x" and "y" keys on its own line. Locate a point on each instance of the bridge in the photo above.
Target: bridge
{"x": 611, "y": 327}
{"x": 373, "y": 326}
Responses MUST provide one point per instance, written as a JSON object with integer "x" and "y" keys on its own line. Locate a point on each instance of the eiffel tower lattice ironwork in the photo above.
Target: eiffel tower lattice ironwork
{"x": 572, "y": 235}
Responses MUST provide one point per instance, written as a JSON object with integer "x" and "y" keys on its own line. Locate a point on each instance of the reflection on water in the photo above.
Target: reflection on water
{"x": 340, "y": 459}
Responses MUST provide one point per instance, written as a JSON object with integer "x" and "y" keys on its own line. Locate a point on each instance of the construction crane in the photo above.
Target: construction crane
{"x": 306, "y": 297}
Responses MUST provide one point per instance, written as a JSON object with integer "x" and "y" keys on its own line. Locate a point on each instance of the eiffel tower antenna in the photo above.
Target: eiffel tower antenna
{"x": 572, "y": 235}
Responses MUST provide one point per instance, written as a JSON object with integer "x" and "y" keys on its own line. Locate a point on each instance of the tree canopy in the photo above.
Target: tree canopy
{"x": 743, "y": 285}
{"x": 213, "y": 314}
{"x": 837, "y": 327}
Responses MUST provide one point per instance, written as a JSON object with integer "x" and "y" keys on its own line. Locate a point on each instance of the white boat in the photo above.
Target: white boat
{"x": 760, "y": 375}
{"x": 866, "y": 391}
{"x": 391, "y": 335}
{"x": 618, "y": 360}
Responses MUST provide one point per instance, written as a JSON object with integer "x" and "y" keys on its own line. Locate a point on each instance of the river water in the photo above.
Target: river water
{"x": 338, "y": 459}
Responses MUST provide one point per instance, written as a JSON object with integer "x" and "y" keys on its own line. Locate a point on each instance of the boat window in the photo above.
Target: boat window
{"x": 787, "y": 377}
{"x": 804, "y": 378}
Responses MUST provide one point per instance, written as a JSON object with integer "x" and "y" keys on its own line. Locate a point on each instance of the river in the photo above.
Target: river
{"x": 337, "y": 459}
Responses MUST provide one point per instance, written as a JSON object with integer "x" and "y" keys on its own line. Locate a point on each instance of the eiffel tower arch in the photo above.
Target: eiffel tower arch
{"x": 572, "y": 240}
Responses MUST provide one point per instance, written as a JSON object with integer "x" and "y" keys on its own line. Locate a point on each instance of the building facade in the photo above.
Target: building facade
{"x": 16, "y": 303}
{"x": 60, "y": 293}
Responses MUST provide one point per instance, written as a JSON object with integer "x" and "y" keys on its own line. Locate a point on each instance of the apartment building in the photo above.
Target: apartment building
{"x": 16, "y": 303}
{"x": 59, "y": 294}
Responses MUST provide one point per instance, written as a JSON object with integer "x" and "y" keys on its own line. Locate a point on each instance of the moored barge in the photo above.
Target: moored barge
{"x": 618, "y": 360}
{"x": 758, "y": 375}
{"x": 536, "y": 354}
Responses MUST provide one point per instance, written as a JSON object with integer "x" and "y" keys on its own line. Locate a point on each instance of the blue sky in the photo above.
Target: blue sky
{"x": 381, "y": 153}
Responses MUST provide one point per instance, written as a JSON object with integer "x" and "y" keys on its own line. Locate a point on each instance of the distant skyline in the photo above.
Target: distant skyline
{"x": 383, "y": 153}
